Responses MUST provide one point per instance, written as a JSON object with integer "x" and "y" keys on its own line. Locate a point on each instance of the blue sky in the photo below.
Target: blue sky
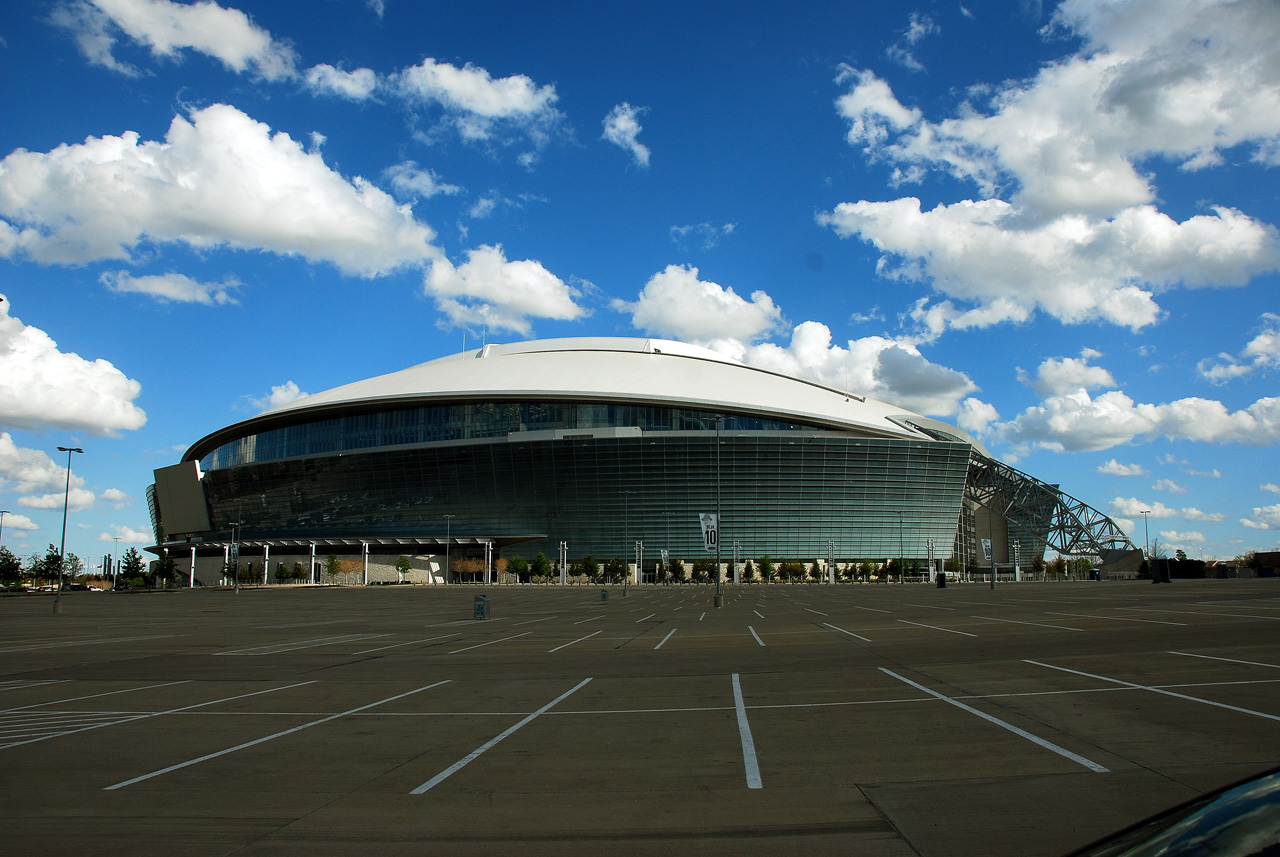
{"x": 1052, "y": 225}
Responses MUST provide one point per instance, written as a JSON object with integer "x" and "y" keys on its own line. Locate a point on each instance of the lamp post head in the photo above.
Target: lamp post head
{"x": 70, "y": 449}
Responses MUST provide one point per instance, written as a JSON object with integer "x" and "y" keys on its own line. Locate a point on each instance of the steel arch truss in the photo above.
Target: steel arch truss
{"x": 1072, "y": 528}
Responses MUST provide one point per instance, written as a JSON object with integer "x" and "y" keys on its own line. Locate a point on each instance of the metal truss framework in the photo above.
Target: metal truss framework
{"x": 1072, "y": 527}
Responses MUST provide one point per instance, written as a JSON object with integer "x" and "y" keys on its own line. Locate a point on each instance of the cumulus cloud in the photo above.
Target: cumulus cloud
{"x": 76, "y": 499}
{"x": 976, "y": 416}
{"x": 167, "y": 29}
{"x": 621, "y": 127}
{"x": 1055, "y": 377}
{"x": 218, "y": 179}
{"x": 116, "y": 497}
{"x": 128, "y": 535}
{"x": 1078, "y": 422}
{"x": 676, "y": 303}
{"x": 1260, "y": 354}
{"x": 357, "y": 85}
{"x": 1115, "y": 468}
{"x": 1132, "y": 507}
{"x": 171, "y": 287}
{"x": 707, "y": 234}
{"x": 1191, "y": 513}
{"x": 407, "y": 178}
{"x": 280, "y": 395}
{"x": 42, "y": 387}
{"x": 1175, "y": 537}
{"x": 1269, "y": 486}
{"x": 1264, "y": 518}
{"x": 1077, "y": 233}
{"x": 480, "y": 106}
{"x": 890, "y": 370}
{"x": 489, "y": 290}
{"x": 1168, "y": 485}
{"x": 20, "y": 523}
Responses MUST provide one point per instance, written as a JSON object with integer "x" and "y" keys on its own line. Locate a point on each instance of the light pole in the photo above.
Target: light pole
{"x": 3, "y": 512}
{"x": 237, "y": 531}
{"x": 1146, "y": 536}
{"x": 448, "y": 533}
{"x": 115, "y": 563}
{"x": 719, "y": 520}
{"x": 62, "y": 549}
{"x": 626, "y": 536}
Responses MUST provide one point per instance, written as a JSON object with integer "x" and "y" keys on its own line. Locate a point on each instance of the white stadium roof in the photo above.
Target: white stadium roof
{"x": 608, "y": 369}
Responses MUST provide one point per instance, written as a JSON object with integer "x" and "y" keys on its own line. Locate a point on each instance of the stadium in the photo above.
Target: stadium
{"x": 608, "y": 447}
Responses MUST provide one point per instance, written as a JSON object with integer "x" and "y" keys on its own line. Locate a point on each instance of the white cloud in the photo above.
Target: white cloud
{"x": 1260, "y": 354}
{"x": 1254, "y": 525}
{"x": 1078, "y": 422}
{"x": 901, "y": 50}
{"x": 621, "y": 127}
{"x": 1055, "y": 377}
{"x": 409, "y": 180}
{"x": 14, "y": 521}
{"x": 1079, "y": 235}
{"x": 1215, "y": 473}
{"x": 489, "y": 290}
{"x": 116, "y": 497}
{"x": 42, "y": 387}
{"x": 171, "y": 287}
{"x": 889, "y": 370}
{"x": 127, "y": 535}
{"x": 280, "y": 395}
{"x": 76, "y": 499}
{"x": 1174, "y": 537}
{"x": 1168, "y": 485}
{"x": 357, "y": 85}
{"x": 1191, "y": 513}
{"x": 976, "y": 416}
{"x": 1269, "y": 486}
{"x": 479, "y": 106}
{"x": 1132, "y": 507}
{"x": 708, "y": 234}
{"x": 166, "y": 29}
{"x": 676, "y": 303}
{"x": 1269, "y": 515}
{"x": 219, "y": 179}
{"x": 1115, "y": 468}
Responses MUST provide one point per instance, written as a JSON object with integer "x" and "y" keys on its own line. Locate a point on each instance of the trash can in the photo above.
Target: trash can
{"x": 604, "y": 595}
{"x": 482, "y": 607}
{"x": 1095, "y": 574}
{"x": 942, "y": 580}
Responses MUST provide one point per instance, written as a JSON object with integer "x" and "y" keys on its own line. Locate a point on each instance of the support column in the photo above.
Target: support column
{"x": 191, "y": 582}
{"x": 364, "y": 549}
{"x": 266, "y": 563}
{"x": 311, "y": 569}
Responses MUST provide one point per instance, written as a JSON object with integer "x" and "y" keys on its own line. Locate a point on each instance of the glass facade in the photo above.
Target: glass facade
{"x": 784, "y": 490}
{"x": 467, "y": 421}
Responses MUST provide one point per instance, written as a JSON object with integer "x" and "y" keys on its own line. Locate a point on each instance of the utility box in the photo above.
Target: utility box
{"x": 604, "y": 595}
{"x": 482, "y": 607}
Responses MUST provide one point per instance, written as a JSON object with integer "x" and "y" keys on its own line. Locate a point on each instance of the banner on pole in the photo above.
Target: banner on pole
{"x": 710, "y": 530}
{"x": 986, "y": 549}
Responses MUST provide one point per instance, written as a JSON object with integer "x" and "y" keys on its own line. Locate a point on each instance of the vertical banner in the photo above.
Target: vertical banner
{"x": 986, "y": 549}
{"x": 710, "y": 530}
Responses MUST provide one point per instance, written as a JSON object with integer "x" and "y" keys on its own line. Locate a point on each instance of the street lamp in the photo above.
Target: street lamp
{"x": 3, "y": 512}
{"x": 62, "y": 548}
{"x": 448, "y": 532}
{"x": 626, "y": 535}
{"x": 115, "y": 563}
{"x": 1146, "y": 535}
{"x": 236, "y": 533}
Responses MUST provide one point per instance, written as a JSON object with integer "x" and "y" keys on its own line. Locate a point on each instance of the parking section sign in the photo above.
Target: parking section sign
{"x": 710, "y": 530}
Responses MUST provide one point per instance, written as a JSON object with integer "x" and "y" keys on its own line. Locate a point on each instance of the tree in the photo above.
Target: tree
{"x": 703, "y": 569}
{"x": 677, "y": 570}
{"x": 767, "y": 570}
{"x": 10, "y": 567}
{"x": 614, "y": 570}
{"x": 952, "y": 564}
{"x": 72, "y": 565}
{"x": 282, "y": 573}
{"x": 867, "y": 568}
{"x": 1180, "y": 555}
{"x": 1157, "y": 549}
{"x": 1037, "y": 565}
{"x": 748, "y": 571}
{"x": 519, "y": 566}
{"x": 815, "y": 571}
{"x": 403, "y": 567}
{"x": 540, "y": 567}
{"x": 131, "y": 565}
{"x": 298, "y": 572}
{"x": 790, "y": 570}
{"x": 586, "y": 567}
{"x": 332, "y": 567}
{"x": 166, "y": 568}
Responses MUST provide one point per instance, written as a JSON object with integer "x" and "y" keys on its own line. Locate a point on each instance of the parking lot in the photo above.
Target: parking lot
{"x": 853, "y": 719}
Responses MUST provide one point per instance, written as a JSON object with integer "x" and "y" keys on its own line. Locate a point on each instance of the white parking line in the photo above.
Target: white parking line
{"x": 579, "y": 640}
{"x": 1228, "y": 660}
{"x": 758, "y": 613}
{"x": 1035, "y": 739}
{"x": 650, "y": 616}
{"x": 819, "y": 612}
{"x": 850, "y": 633}
{"x": 1123, "y": 683}
{"x": 592, "y": 619}
{"x": 936, "y": 628}
{"x": 749, "y": 761}
{"x": 20, "y": 684}
{"x": 928, "y": 606}
{"x": 1036, "y": 624}
{"x": 490, "y": 643}
{"x": 410, "y": 643}
{"x": 754, "y": 634}
{"x": 94, "y": 695}
{"x": 263, "y": 740}
{"x": 1118, "y": 618}
{"x": 531, "y": 621}
{"x": 476, "y": 753}
{"x": 314, "y": 642}
{"x": 93, "y": 642}
{"x": 668, "y": 637}
{"x": 870, "y": 609}
{"x": 704, "y": 613}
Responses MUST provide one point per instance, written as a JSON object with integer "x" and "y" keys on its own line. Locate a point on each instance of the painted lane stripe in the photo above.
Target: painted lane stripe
{"x": 592, "y": 619}
{"x": 758, "y": 613}
{"x": 870, "y": 609}
{"x": 315, "y": 642}
{"x": 650, "y": 616}
{"x": 410, "y": 643}
{"x": 579, "y": 640}
{"x": 850, "y": 633}
{"x": 1036, "y": 624}
{"x": 1235, "y": 708}
{"x": 1228, "y": 660}
{"x": 135, "y": 717}
{"x": 490, "y": 643}
{"x": 754, "y": 634}
{"x": 936, "y": 628}
{"x": 476, "y": 753}
{"x": 928, "y": 606}
{"x": 94, "y": 695}
{"x": 749, "y": 761}
{"x": 85, "y": 643}
{"x": 1118, "y": 618}
{"x": 263, "y": 740}
{"x": 664, "y": 639}
{"x": 819, "y": 612}
{"x": 1022, "y": 733}
{"x": 703, "y": 616}
{"x": 531, "y": 621}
